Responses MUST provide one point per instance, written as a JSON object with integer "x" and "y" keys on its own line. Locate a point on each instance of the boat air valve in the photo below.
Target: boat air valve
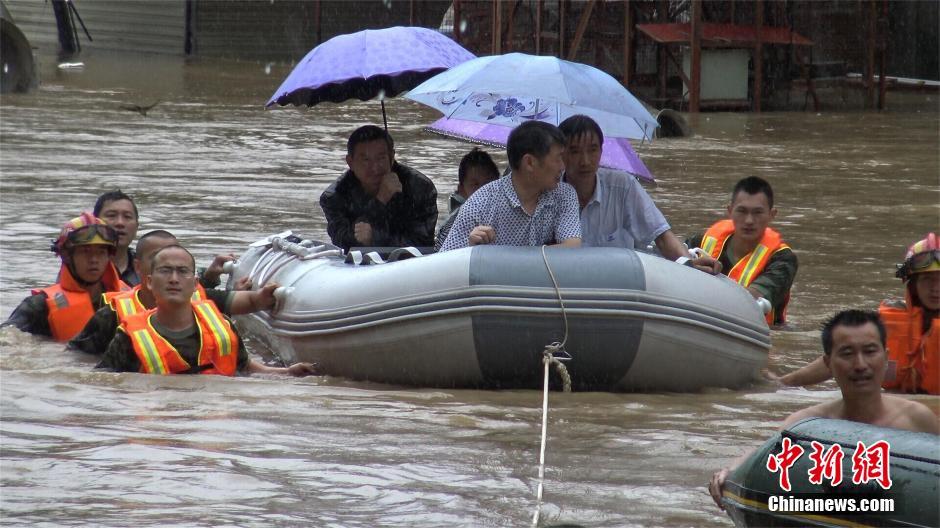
{"x": 281, "y": 293}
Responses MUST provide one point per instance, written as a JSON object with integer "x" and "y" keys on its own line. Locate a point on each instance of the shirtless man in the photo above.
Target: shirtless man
{"x": 854, "y": 346}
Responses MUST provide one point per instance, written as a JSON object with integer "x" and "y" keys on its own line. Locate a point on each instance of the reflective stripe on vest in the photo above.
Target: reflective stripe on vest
{"x": 128, "y": 303}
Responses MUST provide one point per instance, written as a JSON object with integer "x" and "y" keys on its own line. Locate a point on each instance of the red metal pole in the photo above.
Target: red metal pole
{"x": 457, "y": 21}
{"x": 538, "y": 26}
{"x": 883, "y": 71}
{"x": 627, "y": 42}
{"x": 696, "y": 70}
{"x": 497, "y": 28}
{"x": 758, "y": 56}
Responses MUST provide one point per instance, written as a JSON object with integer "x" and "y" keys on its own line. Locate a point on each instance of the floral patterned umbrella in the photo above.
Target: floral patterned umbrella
{"x": 510, "y": 89}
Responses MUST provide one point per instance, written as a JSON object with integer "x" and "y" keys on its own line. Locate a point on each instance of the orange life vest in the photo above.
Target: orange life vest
{"x": 125, "y": 303}
{"x": 913, "y": 356}
{"x": 219, "y": 352}
{"x": 751, "y": 265}
{"x": 69, "y": 305}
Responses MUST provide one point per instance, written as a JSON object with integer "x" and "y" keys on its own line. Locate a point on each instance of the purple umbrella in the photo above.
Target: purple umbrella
{"x": 367, "y": 64}
{"x": 617, "y": 153}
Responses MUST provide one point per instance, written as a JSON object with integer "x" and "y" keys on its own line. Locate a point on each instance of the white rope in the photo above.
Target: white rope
{"x": 548, "y": 358}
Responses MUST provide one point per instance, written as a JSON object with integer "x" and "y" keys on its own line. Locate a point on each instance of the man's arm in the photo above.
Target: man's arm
{"x": 775, "y": 281}
{"x": 459, "y": 235}
{"x": 671, "y": 248}
{"x": 568, "y": 221}
{"x": 32, "y": 316}
{"x": 338, "y": 225}
{"x": 416, "y": 225}
{"x": 120, "y": 355}
{"x": 97, "y": 334}
{"x": 245, "y": 302}
{"x": 809, "y": 374}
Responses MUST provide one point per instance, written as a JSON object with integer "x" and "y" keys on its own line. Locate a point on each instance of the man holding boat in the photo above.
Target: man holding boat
{"x": 753, "y": 254}
{"x": 854, "y": 352}
{"x": 181, "y": 335}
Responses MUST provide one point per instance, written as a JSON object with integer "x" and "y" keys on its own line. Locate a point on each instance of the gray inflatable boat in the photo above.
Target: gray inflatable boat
{"x": 481, "y": 317}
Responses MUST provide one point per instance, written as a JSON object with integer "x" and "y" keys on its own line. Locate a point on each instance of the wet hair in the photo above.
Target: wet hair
{"x": 577, "y": 126}
{"x": 851, "y": 318}
{"x": 367, "y": 133}
{"x": 754, "y": 185}
{"x": 156, "y": 233}
{"x": 153, "y": 258}
{"x": 114, "y": 196}
{"x": 532, "y": 137}
{"x": 476, "y": 158}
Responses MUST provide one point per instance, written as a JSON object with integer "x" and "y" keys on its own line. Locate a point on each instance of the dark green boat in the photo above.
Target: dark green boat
{"x": 753, "y": 495}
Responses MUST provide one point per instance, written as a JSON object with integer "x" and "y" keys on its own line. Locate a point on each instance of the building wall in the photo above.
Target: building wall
{"x": 285, "y": 30}
{"x": 156, "y": 26}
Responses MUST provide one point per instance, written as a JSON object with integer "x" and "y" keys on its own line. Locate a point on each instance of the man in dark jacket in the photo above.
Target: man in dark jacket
{"x": 378, "y": 201}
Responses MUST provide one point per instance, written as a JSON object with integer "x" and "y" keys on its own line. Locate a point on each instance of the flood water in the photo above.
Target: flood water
{"x": 208, "y": 163}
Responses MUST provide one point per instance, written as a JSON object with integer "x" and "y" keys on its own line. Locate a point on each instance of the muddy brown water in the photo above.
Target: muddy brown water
{"x": 208, "y": 163}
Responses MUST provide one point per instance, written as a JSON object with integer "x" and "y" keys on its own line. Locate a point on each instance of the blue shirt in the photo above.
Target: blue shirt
{"x": 496, "y": 204}
{"x": 620, "y": 213}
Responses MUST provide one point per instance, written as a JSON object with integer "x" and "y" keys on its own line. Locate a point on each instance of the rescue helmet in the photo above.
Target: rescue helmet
{"x": 922, "y": 256}
{"x": 84, "y": 230}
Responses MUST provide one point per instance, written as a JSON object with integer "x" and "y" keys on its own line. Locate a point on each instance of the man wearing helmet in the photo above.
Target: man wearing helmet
{"x": 913, "y": 326}
{"x": 85, "y": 246}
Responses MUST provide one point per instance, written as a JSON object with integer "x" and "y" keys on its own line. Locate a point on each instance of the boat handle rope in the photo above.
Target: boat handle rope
{"x": 553, "y": 354}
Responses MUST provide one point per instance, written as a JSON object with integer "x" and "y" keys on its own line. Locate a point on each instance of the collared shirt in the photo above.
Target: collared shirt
{"x": 620, "y": 213}
{"x": 496, "y": 204}
{"x": 408, "y": 219}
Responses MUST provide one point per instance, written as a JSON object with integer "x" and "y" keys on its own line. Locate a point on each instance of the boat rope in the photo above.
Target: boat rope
{"x": 553, "y": 354}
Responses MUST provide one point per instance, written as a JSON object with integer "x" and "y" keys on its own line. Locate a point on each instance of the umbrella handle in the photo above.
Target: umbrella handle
{"x": 384, "y": 119}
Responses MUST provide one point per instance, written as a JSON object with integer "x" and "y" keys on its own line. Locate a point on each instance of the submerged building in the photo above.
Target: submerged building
{"x": 686, "y": 54}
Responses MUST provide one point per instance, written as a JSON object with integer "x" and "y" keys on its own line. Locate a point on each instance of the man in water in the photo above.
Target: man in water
{"x": 180, "y": 335}
{"x": 615, "y": 210}
{"x": 854, "y": 347}
{"x": 378, "y": 201}
{"x": 85, "y": 246}
{"x": 753, "y": 254}
{"x": 119, "y": 211}
{"x": 527, "y": 207}
{"x": 913, "y": 327}
{"x": 98, "y": 333}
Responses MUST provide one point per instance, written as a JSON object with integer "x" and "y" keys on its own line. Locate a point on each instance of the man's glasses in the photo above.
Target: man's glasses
{"x": 167, "y": 271}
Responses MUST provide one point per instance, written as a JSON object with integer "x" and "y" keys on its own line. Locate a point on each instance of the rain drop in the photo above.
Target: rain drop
{"x": 267, "y": 68}
{"x": 381, "y": 95}
{"x": 387, "y": 3}
{"x": 6, "y": 68}
{"x": 463, "y": 26}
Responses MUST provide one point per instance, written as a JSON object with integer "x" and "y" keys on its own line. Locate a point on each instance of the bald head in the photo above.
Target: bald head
{"x": 149, "y": 244}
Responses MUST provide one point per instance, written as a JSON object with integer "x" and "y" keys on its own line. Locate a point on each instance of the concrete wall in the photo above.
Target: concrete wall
{"x": 156, "y": 26}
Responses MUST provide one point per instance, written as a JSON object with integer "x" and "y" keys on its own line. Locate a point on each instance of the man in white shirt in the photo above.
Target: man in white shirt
{"x": 615, "y": 209}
